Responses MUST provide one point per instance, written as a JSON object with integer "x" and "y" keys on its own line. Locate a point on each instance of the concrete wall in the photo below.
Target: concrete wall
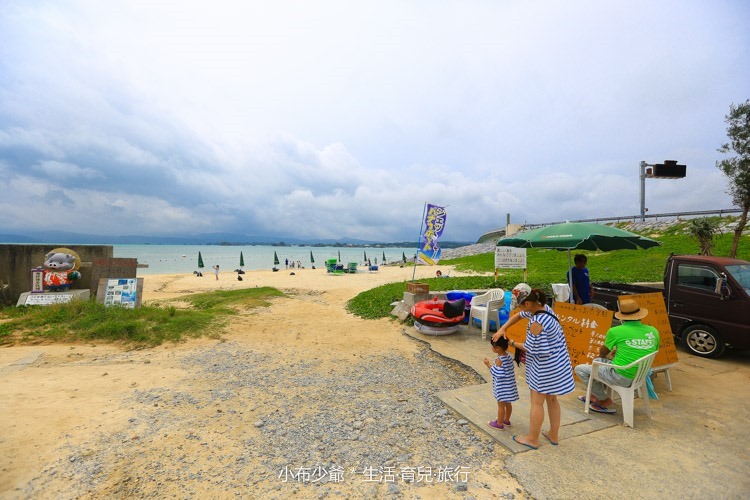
{"x": 16, "y": 261}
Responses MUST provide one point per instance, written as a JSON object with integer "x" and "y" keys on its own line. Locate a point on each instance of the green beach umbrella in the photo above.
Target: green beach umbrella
{"x": 383, "y": 256}
{"x": 312, "y": 259}
{"x": 275, "y": 259}
{"x": 200, "y": 261}
{"x": 578, "y": 236}
{"x": 242, "y": 259}
{"x": 403, "y": 257}
{"x": 365, "y": 254}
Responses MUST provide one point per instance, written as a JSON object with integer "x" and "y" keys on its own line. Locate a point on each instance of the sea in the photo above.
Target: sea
{"x": 183, "y": 259}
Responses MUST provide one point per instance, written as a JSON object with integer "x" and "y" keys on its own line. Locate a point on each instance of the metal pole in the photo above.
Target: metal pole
{"x": 643, "y": 191}
{"x": 419, "y": 242}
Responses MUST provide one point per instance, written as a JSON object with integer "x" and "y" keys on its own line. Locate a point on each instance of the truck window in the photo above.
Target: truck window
{"x": 741, "y": 273}
{"x": 696, "y": 277}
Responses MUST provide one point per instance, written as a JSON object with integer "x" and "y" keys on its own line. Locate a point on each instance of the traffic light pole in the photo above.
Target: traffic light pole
{"x": 667, "y": 170}
{"x": 643, "y": 190}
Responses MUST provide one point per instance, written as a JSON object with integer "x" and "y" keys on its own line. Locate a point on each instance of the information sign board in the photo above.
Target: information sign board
{"x": 510, "y": 258}
{"x": 47, "y": 299}
{"x": 121, "y": 292}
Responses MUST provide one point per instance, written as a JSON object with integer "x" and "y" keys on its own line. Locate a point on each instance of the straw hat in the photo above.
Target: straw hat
{"x": 630, "y": 310}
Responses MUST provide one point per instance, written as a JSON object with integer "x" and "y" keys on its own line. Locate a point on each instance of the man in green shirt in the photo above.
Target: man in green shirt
{"x": 629, "y": 342}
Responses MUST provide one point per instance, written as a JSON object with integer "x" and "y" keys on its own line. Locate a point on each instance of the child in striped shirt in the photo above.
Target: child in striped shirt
{"x": 503, "y": 382}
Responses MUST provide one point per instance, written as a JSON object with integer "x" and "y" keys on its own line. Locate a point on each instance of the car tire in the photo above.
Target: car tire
{"x": 703, "y": 341}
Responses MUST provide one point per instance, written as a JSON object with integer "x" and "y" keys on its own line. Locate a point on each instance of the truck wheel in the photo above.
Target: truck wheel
{"x": 703, "y": 341}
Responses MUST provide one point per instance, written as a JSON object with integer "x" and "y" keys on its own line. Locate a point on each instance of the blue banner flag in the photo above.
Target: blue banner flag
{"x": 434, "y": 223}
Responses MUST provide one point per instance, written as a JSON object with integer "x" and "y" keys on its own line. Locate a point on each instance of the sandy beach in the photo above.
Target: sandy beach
{"x": 298, "y": 390}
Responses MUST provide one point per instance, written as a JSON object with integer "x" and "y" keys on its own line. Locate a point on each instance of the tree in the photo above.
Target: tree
{"x": 737, "y": 168}
{"x": 704, "y": 230}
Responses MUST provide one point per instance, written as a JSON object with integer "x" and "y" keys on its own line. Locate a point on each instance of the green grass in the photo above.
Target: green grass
{"x": 205, "y": 315}
{"x": 550, "y": 266}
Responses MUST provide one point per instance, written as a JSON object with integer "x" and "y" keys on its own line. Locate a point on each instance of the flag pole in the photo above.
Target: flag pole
{"x": 419, "y": 238}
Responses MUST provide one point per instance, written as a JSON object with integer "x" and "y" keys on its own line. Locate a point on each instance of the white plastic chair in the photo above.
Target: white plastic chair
{"x": 627, "y": 394}
{"x": 486, "y": 307}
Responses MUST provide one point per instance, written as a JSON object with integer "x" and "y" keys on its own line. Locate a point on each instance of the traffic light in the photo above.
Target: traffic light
{"x": 669, "y": 170}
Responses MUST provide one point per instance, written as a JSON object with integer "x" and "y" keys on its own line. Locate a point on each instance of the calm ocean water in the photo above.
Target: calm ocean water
{"x": 179, "y": 259}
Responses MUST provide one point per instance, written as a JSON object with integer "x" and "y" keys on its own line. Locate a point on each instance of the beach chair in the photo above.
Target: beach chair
{"x": 331, "y": 265}
{"x": 627, "y": 394}
{"x": 486, "y": 307}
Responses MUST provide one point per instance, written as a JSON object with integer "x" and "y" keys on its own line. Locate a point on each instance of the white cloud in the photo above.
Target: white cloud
{"x": 326, "y": 119}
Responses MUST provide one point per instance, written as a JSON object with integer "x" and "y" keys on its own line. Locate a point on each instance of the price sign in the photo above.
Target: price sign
{"x": 584, "y": 328}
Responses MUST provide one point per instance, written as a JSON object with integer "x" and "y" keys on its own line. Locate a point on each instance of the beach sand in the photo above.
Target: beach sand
{"x": 296, "y": 385}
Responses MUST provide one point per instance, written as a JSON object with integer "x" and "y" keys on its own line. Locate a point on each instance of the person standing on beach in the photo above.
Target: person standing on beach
{"x": 504, "y": 386}
{"x": 580, "y": 279}
{"x": 549, "y": 371}
{"x": 216, "y": 271}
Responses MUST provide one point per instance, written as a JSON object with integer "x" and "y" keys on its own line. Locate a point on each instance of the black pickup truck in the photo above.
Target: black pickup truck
{"x": 707, "y": 299}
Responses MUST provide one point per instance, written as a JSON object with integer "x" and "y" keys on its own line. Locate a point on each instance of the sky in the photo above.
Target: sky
{"x": 322, "y": 119}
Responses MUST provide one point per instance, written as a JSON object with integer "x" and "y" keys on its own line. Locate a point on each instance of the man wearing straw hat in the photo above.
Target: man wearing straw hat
{"x": 629, "y": 342}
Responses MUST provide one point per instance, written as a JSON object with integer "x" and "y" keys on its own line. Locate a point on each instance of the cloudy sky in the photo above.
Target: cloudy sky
{"x": 331, "y": 119}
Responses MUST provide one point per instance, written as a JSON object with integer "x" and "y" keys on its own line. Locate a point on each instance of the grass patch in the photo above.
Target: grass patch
{"x": 147, "y": 325}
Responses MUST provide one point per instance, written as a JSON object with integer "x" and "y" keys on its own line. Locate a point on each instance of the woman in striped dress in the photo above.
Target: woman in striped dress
{"x": 549, "y": 371}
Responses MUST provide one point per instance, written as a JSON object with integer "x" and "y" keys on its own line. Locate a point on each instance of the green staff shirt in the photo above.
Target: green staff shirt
{"x": 631, "y": 341}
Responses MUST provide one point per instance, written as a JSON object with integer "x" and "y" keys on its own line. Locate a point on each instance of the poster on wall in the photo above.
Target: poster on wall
{"x": 121, "y": 292}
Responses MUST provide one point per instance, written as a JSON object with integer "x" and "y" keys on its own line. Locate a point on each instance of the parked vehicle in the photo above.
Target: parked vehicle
{"x": 707, "y": 300}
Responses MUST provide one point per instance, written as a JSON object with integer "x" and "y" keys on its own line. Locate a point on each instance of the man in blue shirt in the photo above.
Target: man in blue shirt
{"x": 581, "y": 284}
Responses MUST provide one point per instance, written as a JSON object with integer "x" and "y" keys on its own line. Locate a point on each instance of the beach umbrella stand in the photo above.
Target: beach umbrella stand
{"x": 200, "y": 262}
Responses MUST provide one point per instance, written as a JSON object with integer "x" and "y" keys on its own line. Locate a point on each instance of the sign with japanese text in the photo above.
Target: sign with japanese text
{"x": 510, "y": 258}
{"x": 585, "y": 329}
{"x": 48, "y": 299}
{"x": 37, "y": 280}
{"x": 434, "y": 224}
